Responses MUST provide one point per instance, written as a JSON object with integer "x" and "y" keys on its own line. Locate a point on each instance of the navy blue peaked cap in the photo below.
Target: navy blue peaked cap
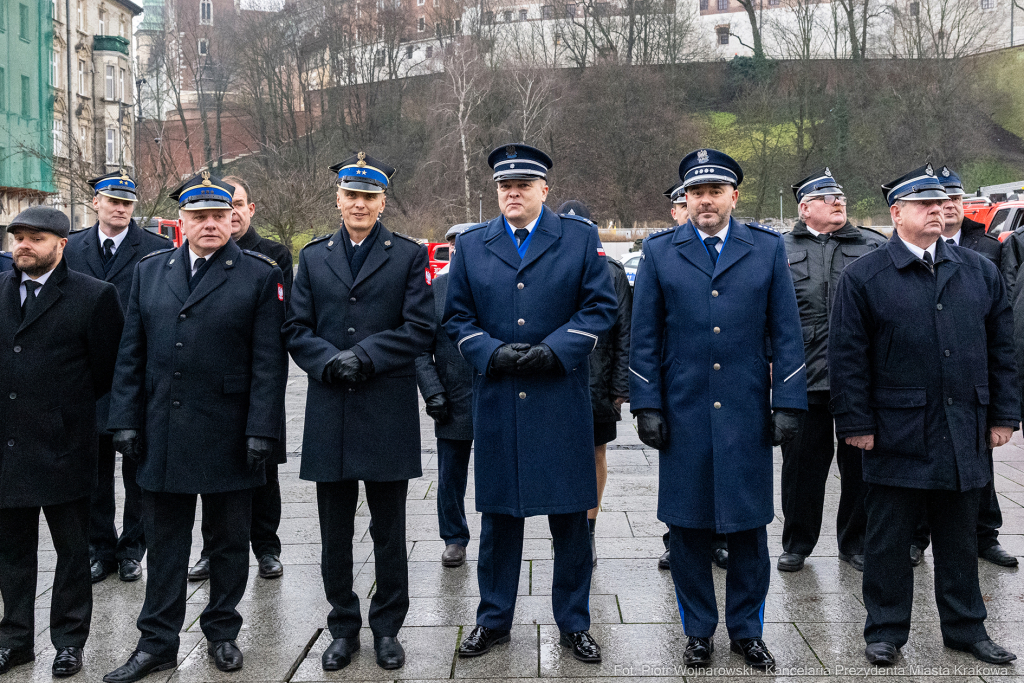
{"x": 818, "y": 183}
{"x": 709, "y": 166}
{"x": 917, "y": 185}
{"x": 519, "y": 162}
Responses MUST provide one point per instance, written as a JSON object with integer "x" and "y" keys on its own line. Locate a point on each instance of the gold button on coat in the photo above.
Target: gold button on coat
{"x": 522, "y": 394}
{"x": 717, "y": 330}
{"x": 717, "y": 405}
{"x": 714, "y": 292}
{"x": 522, "y": 322}
{"x": 717, "y": 366}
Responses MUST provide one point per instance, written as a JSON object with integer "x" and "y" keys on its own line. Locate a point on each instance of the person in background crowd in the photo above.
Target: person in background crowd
{"x": 266, "y": 499}
{"x": 706, "y": 294}
{"x": 528, "y": 295}
{"x": 59, "y": 331}
{"x": 359, "y": 319}
{"x": 924, "y": 383}
{"x": 609, "y": 372}
{"x": 963, "y": 232}
{"x": 198, "y": 401}
{"x": 445, "y": 380}
{"x": 822, "y": 243}
{"x": 109, "y": 251}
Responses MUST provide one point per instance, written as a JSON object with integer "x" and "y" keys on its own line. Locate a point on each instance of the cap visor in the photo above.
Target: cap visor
{"x": 710, "y": 180}
{"x": 205, "y": 204}
{"x": 360, "y": 187}
{"x": 514, "y": 175}
{"x": 923, "y": 195}
{"x": 955, "y": 191}
{"x": 118, "y": 194}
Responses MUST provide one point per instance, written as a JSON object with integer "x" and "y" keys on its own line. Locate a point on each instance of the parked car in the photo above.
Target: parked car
{"x": 437, "y": 252}
{"x": 166, "y": 227}
{"x": 1000, "y": 218}
{"x": 630, "y": 262}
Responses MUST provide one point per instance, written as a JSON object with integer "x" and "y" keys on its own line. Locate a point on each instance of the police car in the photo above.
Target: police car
{"x": 630, "y": 262}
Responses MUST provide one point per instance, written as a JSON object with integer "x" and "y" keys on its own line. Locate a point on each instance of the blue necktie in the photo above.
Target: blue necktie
{"x": 712, "y": 244}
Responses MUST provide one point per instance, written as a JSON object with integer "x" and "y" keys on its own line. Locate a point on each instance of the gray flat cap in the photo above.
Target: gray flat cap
{"x": 44, "y": 218}
{"x": 457, "y": 229}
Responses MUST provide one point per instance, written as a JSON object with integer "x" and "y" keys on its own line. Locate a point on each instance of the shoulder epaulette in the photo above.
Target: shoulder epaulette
{"x": 157, "y": 234}
{"x": 407, "y": 237}
{"x": 662, "y": 233}
{"x": 764, "y": 228}
{"x": 616, "y": 264}
{"x": 154, "y": 253}
{"x": 317, "y": 240}
{"x": 261, "y": 257}
{"x": 872, "y": 230}
{"x": 473, "y": 228}
{"x": 581, "y": 219}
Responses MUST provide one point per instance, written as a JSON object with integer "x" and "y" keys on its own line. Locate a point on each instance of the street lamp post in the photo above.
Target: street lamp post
{"x": 480, "y": 216}
{"x": 780, "y": 208}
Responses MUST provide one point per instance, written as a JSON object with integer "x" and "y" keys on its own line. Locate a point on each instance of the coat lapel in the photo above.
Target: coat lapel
{"x": 337, "y": 260}
{"x": 737, "y": 245}
{"x": 692, "y": 249}
{"x": 10, "y": 295}
{"x": 126, "y": 252}
{"x": 947, "y": 262}
{"x": 547, "y": 231}
{"x": 49, "y": 294}
{"x": 90, "y": 250}
{"x": 177, "y": 279}
{"x": 497, "y": 240}
{"x": 377, "y": 257}
{"x": 216, "y": 275}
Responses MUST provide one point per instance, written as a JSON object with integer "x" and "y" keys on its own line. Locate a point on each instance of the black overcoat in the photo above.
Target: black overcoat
{"x": 55, "y": 365}
{"x": 974, "y": 237}
{"x": 923, "y": 362}
{"x": 84, "y": 254}
{"x": 6, "y": 261}
{"x": 371, "y": 430}
{"x": 442, "y": 369}
{"x": 609, "y": 363}
{"x": 199, "y": 372}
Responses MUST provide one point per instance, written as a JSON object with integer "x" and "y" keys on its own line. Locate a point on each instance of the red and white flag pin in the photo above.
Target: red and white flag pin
{"x": 280, "y": 292}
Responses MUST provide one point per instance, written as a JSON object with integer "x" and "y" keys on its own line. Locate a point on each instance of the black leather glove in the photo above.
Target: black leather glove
{"x": 257, "y": 450}
{"x": 345, "y": 367}
{"x": 652, "y": 427}
{"x": 503, "y": 360}
{"x": 539, "y": 360}
{"x": 128, "y": 443}
{"x": 438, "y": 408}
{"x": 785, "y": 424}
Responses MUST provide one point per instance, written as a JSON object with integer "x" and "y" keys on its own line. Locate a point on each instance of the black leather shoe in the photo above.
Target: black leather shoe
{"x": 720, "y": 556}
{"x": 200, "y": 571}
{"x": 139, "y": 665}
{"x": 997, "y": 555}
{"x": 454, "y": 555}
{"x": 270, "y": 567}
{"x": 226, "y": 655}
{"x": 129, "y": 570}
{"x": 339, "y": 653}
{"x": 986, "y": 651}
{"x": 390, "y": 654}
{"x": 663, "y": 561}
{"x": 100, "y": 571}
{"x": 881, "y": 654}
{"x": 855, "y": 561}
{"x": 791, "y": 562}
{"x": 593, "y": 548}
{"x": 698, "y": 651}
{"x": 68, "y": 661}
{"x": 916, "y": 556}
{"x": 755, "y": 652}
{"x": 11, "y": 658}
{"x": 480, "y": 641}
{"x": 583, "y": 646}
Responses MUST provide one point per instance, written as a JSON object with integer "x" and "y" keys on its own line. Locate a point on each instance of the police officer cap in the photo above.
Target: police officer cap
{"x": 574, "y": 207}
{"x": 42, "y": 219}
{"x": 676, "y": 194}
{"x": 951, "y": 182}
{"x": 363, "y": 173}
{"x": 815, "y": 185}
{"x": 918, "y": 185}
{"x": 519, "y": 162}
{"x": 204, "y": 191}
{"x": 706, "y": 166}
{"x": 457, "y": 229}
{"x": 116, "y": 185}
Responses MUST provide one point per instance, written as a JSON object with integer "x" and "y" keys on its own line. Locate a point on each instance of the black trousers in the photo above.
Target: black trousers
{"x": 336, "y": 502}
{"x": 169, "y": 518}
{"x": 71, "y": 601}
{"x": 888, "y": 587}
{"x": 805, "y": 465}
{"x": 989, "y": 517}
{"x": 104, "y": 543}
{"x": 266, "y": 518}
{"x": 718, "y": 541}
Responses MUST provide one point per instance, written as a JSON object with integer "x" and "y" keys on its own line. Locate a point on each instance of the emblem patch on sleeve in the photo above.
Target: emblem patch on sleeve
{"x": 280, "y": 292}
{"x": 426, "y": 275}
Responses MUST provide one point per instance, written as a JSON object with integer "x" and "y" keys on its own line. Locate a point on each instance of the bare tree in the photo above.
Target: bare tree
{"x": 466, "y": 86}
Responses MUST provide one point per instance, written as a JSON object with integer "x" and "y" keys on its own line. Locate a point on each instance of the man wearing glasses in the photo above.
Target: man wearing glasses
{"x": 820, "y": 246}
{"x": 969, "y": 234}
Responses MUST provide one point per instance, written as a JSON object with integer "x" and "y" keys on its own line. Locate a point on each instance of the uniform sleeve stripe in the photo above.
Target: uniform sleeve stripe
{"x": 467, "y": 338}
{"x": 639, "y": 375}
{"x": 794, "y": 372}
{"x": 585, "y": 334}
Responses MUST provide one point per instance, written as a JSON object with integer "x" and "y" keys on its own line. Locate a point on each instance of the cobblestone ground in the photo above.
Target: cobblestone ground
{"x": 814, "y": 618}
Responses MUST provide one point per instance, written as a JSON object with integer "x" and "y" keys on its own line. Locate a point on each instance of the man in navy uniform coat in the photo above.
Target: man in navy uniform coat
{"x": 707, "y": 293}
{"x": 198, "y": 398}
{"x": 445, "y": 380}
{"x": 963, "y": 232}
{"x": 528, "y": 296}
{"x": 924, "y": 382}
{"x": 109, "y": 251}
{"x": 359, "y": 318}
{"x": 58, "y": 331}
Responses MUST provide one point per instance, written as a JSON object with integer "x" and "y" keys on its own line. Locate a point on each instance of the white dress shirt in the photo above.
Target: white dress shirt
{"x": 955, "y": 238}
{"x": 721, "y": 235}
{"x": 118, "y": 238}
{"x": 41, "y": 280}
{"x": 918, "y": 251}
